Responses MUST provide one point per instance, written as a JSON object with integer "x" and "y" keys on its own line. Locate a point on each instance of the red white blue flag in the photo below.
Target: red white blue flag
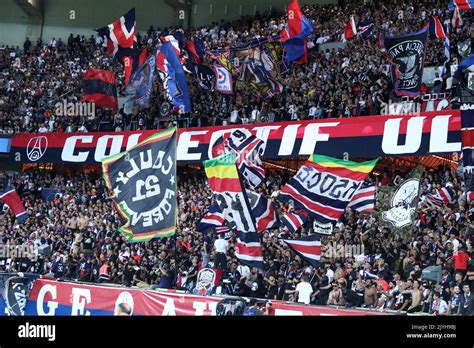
{"x": 12, "y": 200}
{"x": 308, "y": 248}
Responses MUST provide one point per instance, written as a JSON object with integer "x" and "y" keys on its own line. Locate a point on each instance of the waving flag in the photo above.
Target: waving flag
{"x": 133, "y": 62}
{"x": 308, "y": 248}
{"x": 195, "y": 50}
{"x": 364, "y": 198}
{"x": 138, "y": 91}
{"x": 467, "y": 64}
{"x": 293, "y": 221}
{"x": 461, "y": 4}
{"x": 443, "y": 196}
{"x": 213, "y": 218}
{"x": 248, "y": 149}
{"x": 294, "y": 35}
{"x": 365, "y": 28}
{"x": 324, "y": 186}
{"x": 406, "y": 55}
{"x": 436, "y": 31}
{"x": 120, "y": 36}
{"x": 172, "y": 74}
{"x": 12, "y": 200}
{"x": 206, "y": 77}
{"x": 350, "y": 31}
{"x": 467, "y": 136}
{"x": 99, "y": 88}
{"x": 266, "y": 216}
{"x": 223, "y": 79}
{"x": 142, "y": 181}
{"x": 48, "y": 194}
{"x": 177, "y": 48}
{"x": 224, "y": 180}
{"x": 456, "y": 21}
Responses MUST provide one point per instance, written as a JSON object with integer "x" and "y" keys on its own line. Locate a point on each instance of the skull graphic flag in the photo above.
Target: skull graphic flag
{"x": 406, "y": 54}
{"x": 142, "y": 182}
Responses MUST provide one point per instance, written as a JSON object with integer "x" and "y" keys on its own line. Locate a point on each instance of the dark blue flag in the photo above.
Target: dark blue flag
{"x": 173, "y": 77}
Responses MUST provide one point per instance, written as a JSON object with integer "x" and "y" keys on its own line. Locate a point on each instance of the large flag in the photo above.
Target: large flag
{"x": 223, "y": 79}
{"x": 120, "y": 36}
{"x": 48, "y": 194}
{"x": 397, "y": 203}
{"x": 178, "y": 47}
{"x": 12, "y": 200}
{"x": 467, "y": 64}
{"x": 293, "y": 221}
{"x": 138, "y": 91}
{"x": 406, "y": 54}
{"x": 456, "y": 21}
{"x": 308, "y": 248}
{"x": 266, "y": 216}
{"x": 365, "y": 28}
{"x": 133, "y": 62}
{"x": 461, "y": 4}
{"x": 195, "y": 48}
{"x": 99, "y": 88}
{"x": 248, "y": 149}
{"x": 295, "y": 33}
{"x": 436, "y": 31}
{"x": 205, "y": 76}
{"x": 442, "y": 196}
{"x": 173, "y": 77}
{"x": 467, "y": 136}
{"x": 224, "y": 180}
{"x": 350, "y": 31}
{"x": 213, "y": 218}
{"x": 364, "y": 198}
{"x": 324, "y": 186}
{"x": 142, "y": 182}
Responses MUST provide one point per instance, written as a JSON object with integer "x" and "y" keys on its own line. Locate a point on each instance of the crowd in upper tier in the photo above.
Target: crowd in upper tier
{"x": 350, "y": 81}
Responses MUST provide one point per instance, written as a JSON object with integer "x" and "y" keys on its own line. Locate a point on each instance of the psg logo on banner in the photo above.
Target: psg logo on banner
{"x": 142, "y": 181}
{"x": 406, "y": 54}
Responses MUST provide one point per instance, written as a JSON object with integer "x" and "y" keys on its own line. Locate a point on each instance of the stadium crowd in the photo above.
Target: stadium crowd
{"x": 348, "y": 82}
{"x": 364, "y": 263}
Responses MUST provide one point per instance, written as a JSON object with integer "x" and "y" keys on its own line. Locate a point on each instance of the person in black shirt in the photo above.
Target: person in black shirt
{"x": 127, "y": 275}
{"x": 272, "y": 288}
{"x": 281, "y": 287}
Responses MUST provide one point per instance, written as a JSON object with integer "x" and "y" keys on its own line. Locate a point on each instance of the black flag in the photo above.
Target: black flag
{"x": 142, "y": 181}
{"x": 406, "y": 55}
{"x": 17, "y": 290}
{"x": 205, "y": 77}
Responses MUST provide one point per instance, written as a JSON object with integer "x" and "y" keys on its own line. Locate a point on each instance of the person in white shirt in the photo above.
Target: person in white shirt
{"x": 243, "y": 270}
{"x": 220, "y": 249}
{"x": 312, "y": 111}
{"x": 255, "y": 113}
{"x": 234, "y": 115}
{"x": 304, "y": 290}
{"x": 439, "y": 306}
{"x": 329, "y": 272}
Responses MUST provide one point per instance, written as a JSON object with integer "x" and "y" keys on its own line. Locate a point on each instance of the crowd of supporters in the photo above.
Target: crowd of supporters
{"x": 348, "y": 82}
{"x": 364, "y": 263}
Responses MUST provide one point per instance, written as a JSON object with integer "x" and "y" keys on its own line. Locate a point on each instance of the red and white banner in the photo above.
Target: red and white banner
{"x": 49, "y": 298}
{"x": 369, "y": 137}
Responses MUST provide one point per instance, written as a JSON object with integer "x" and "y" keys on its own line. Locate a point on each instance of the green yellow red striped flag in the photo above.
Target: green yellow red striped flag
{"x": 222, "y": 174}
